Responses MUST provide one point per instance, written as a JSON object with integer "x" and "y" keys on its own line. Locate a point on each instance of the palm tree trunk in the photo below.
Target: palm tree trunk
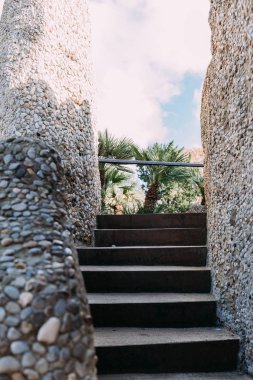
{"x": 151, "y": 198}
{"x": 203, "y": 200}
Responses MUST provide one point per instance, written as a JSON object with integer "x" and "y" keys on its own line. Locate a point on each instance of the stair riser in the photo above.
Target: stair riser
{"x": 108, "y": 238}
{"x": 190, "y": 314}
{"x": 158, "y": 358}
{"x": 152, "y": 221}
{"x": 143, "y": 256}
{"x": 144, "y": 281}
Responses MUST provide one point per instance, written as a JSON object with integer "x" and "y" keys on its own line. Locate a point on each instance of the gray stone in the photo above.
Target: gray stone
{"x": 48, "y": 376}
{"x": 25, "y": 313}
{"x": 19, "y": 347}
{"x": 14, "y": 165}
{"x": 8, "y": 158}
{"x": 53, "y": 354}
{"x": 21, "y": 172}
{"x": 19, "y": 282}
{"x": 38, "y": 348}
{"x": 3, "y": 184}
{"x": 26, "y": 327}
{"x": 12, "y": 292}
{"x": 60, "y": 308}
{"x": 79, "y": 352}
{"x": 50, "y": 289}
{"x": 28, "y": 162}
{"x": 65, "y": 354}
{"x": 59, "y": 374}
{"x": 27, "y": 213}
{"x": 12, "y": 321}
{"x": 12, "y": 308}
{"x": 31, "y": 374}
{"x": 35, "y": 251}
{"x": 31, "y": 153}
{"x": 2, "y": 314}
{"x": 13, "y": 334}
{"x": 6, "y": 241}
{"x": 19, "y": 207}
{"x": 8, "y": 365}
{"x": 28, "y": 360}
{"x": 3, "y": 331}
{"x": 63, "y": 339}
{"x": 80, "y": 369}
{"x": 41, "y": 366}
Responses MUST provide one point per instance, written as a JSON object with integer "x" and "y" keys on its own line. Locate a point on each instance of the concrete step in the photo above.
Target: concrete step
{"x": 186, "y": 256}
{"x": 147, "y": 279}
{"x": 181, "y": 220}
{"x": 152, "y": 309}
{"x": 179, "y": 376}
{"x": 150, "y": 237}
{"x": 142, "y": 350}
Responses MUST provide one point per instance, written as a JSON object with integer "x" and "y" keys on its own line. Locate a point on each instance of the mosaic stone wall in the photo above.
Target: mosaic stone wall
{"x": 46, "y": 329}
{"x": 46, "y": 93}
{"x": 227, "y": 132}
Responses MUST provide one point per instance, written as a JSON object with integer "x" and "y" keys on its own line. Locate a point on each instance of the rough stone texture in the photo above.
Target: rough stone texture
{"x": 45, "y": 323}
{"x": 46, "y": 93}
{"x": 227, "y": 132}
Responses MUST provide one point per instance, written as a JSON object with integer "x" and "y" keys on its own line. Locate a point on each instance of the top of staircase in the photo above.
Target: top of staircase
{"x": 179, "y": 220}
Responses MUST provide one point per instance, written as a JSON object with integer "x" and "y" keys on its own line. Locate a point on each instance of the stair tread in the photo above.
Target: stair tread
{"x": 141, "y": 268}
{"x": 125, "y": 247}
{"x": 130, "y": 230}
{"x": 152, "y": 220}
{"x": 135, "y": 336}
{"x": 179, "y": 376}
{"x": 122, "y": 298}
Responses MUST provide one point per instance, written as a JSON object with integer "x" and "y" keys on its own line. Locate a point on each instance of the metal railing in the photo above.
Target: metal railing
{"x": 156, "y": 163}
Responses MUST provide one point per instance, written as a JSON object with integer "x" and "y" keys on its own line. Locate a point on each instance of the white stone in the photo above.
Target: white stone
{"x": 48, "y": 333}
{"x": 25, "y": 299}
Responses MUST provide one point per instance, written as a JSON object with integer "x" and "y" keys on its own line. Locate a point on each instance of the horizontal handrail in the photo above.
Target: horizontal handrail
{"x": 157, "y": 163}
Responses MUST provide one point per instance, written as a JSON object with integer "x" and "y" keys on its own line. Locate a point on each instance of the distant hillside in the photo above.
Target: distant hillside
{"x": 197, "y": 154}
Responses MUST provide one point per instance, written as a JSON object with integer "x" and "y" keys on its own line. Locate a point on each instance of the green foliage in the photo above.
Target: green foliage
{"x": 167, "y": 189}
{"x": 198, "y": 180}
{"x": 177, "y": 197}
{"x": 119, "y": 194}
{"x": 112, "y": 175}
{"x": 112, "y": 147}
{"x": 154, "y": 178}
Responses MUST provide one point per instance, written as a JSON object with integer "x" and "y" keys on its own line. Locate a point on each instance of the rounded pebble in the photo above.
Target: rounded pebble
{"x": 9, "y": 364}
{"x": 28, "y": 360}
{"x": 11, "y": 292}
{"x": 19, "y": 347}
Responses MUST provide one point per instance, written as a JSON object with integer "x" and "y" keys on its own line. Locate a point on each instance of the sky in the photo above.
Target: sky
{"x": 150, "y": 58}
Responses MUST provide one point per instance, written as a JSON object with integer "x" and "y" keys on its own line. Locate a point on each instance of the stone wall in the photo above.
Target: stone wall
{"x": 45, "y": 323}
{"x": 227, "y": 133}
{"x": 46, "y": 93}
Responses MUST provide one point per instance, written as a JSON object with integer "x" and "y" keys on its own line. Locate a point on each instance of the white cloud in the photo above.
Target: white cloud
{"x": 142, "y": 50}
{"x": 197, "y": 103}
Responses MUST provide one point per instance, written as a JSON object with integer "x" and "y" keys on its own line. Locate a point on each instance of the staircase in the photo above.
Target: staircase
{"x": 149, "y": 292}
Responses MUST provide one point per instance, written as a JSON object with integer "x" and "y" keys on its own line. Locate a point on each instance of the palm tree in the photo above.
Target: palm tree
{"x": 113, "y": 174}
{"x": 112, "y": 178}
{"x": 155, "y": 177}
{"x": 198, "y": 180}
{"x": 112, "y": 147}
{"x": 118, "y": 193}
